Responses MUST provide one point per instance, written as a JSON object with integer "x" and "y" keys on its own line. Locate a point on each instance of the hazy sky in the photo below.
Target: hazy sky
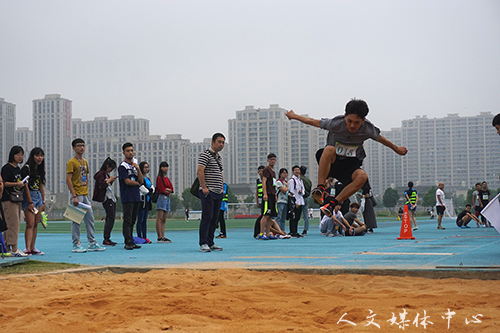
{"x": 187, "y": 66}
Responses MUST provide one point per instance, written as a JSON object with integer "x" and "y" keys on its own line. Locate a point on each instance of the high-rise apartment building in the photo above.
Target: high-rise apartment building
{"x": 7, "y": 129}
{"x": 255, "y": 133}
{"x": 25, "y": 138}
{"x": 102, "y": 127}
{"x": 252, "y": 136}
{"x": 52, "y": 132}
{"x": 459, "y": 151}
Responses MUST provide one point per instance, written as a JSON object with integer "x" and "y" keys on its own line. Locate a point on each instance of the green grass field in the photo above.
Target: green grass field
{"x": 172, "y": 224}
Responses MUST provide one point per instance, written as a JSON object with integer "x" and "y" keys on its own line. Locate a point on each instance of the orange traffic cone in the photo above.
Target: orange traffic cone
{"x": 406, "y": 226}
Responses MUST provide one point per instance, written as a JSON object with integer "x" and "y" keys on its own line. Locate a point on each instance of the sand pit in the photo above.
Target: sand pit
{"x": 237, "y": 300}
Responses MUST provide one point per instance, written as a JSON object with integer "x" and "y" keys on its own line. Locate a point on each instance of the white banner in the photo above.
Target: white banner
{"x": 492, "y": 212}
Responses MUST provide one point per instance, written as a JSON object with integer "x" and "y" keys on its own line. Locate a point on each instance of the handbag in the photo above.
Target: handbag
{"x": 290, "y": 213}
{"x": 195, "y": 187}
{"x": 16, "y": 196}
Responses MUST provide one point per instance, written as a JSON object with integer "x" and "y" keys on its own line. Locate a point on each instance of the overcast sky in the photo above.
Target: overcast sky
{"x": 187, "y": 66}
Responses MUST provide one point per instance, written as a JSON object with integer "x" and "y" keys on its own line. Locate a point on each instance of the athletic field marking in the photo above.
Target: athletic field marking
{"x": 287, "y": 257}
{"x": 406, "y": 254}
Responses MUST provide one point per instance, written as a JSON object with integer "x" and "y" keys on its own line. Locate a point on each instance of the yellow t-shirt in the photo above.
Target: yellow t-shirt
{"x": 79, "y": 178}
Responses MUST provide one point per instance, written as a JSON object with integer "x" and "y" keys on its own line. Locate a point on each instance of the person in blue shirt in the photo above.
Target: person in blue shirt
{"x": 145, "y": 205}
{"x": 223, "y": 210}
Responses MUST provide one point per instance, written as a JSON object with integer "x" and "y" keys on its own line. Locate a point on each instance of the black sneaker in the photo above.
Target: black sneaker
{"x": 318, "y": 194}
{"x": 129, "y": 246}
{"x": 108, "y": 242}
{"x": 327, "y": 209}
{"x": 304, "y": 233}
{"x": 164, "y": 240}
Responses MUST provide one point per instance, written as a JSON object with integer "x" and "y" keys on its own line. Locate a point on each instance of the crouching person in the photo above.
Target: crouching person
{"x": 354, "y": 222}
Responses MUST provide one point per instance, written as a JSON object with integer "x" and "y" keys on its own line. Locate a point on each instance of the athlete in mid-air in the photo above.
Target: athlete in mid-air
{"x": 344, "y": 153}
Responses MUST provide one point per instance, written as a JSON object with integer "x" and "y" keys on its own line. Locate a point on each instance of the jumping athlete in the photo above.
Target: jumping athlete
{"x": 344, "y": 153}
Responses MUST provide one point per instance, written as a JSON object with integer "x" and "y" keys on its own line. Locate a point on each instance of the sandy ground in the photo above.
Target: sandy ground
{"x": 238, "y": 300}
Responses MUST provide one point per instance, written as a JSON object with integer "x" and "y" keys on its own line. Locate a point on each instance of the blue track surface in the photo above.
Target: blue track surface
{"x": 455, "y": 249}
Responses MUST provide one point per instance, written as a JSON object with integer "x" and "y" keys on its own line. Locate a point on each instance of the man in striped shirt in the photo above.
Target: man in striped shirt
{"x": 211, "y": 191}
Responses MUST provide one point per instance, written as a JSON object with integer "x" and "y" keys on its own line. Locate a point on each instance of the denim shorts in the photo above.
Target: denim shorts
{"x": 163, "y": 203}
{"x": 36, "y": 197}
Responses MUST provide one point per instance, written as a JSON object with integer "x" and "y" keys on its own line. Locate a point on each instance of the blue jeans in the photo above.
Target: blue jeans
{"x": 142, "y": 220}
{"x": 210, "y": 206}
{"x": 281, "y": 218}
{"x": 305, "y": 214}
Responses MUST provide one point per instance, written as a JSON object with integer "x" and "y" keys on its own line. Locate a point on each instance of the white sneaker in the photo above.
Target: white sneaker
{"x": 78, "y": 248}
{"x": 215, "y": 248}
{"x": 18, "y": 253}
{"x": 205, "y": 248}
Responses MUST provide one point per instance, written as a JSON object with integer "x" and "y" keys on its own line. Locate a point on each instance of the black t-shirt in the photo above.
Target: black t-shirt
{"x": 461, "y": 215}
{"x": 484, "y": 194}
{"x": 12, "y": 175}
{"x": 33, "y": 184}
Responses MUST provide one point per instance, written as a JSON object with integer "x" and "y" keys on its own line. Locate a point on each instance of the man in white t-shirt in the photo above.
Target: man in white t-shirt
{"x": 440, "y": 206}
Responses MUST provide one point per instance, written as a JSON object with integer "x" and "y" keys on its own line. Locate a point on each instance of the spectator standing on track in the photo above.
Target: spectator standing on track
{"x": 411, "y": 197}
{"x": 282, "y": 186}
{"x": 131, "y": 179}
{"x": 211, "y": 191}
{"x": 484, "y": 195}
{"x": 258, "y": 199}
{"x": 296, "y": 188}
{"x": 11, "y": 199}
{"x": 222, "y": 212}
{"x": 165, "y": 188}
{"x": 476, "y": 202}
{"x": 269, "y": 201}
{"x": 34, "y": 197}
{"x": 145, "y": 205}
{"x": 77, "y": 173}
{"x": 440, "y": 205}
{"x": 307, "y": 191}
{"x": 103, "y": 192}
{"x": 369, "y": 212}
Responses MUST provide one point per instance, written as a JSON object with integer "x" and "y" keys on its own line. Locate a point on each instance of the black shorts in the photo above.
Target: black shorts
{"x": 440, "y": 210}
{"x": 460, "y": 223}
{"x": 269, "y": 207}
{"x": 342, "y": 169}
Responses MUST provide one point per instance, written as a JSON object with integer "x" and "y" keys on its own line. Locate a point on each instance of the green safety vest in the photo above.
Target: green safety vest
{"x": 412, "y": 196}
{"x": 260, "y": 191}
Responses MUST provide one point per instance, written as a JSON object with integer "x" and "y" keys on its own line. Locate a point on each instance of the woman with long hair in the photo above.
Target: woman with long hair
{"x": 12, "y": 198}
{"x": 164, "y": 188}
{"x": 104, "y": 193}
{"x": 282, "y": 186}
{"x": 145, "y": 204}
{"x": 34, "y": 197}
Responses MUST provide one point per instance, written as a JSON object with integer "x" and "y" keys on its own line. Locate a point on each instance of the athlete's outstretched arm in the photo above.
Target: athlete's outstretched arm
{"x": 306, "y": 120}
{"x": 398, "y": 150}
